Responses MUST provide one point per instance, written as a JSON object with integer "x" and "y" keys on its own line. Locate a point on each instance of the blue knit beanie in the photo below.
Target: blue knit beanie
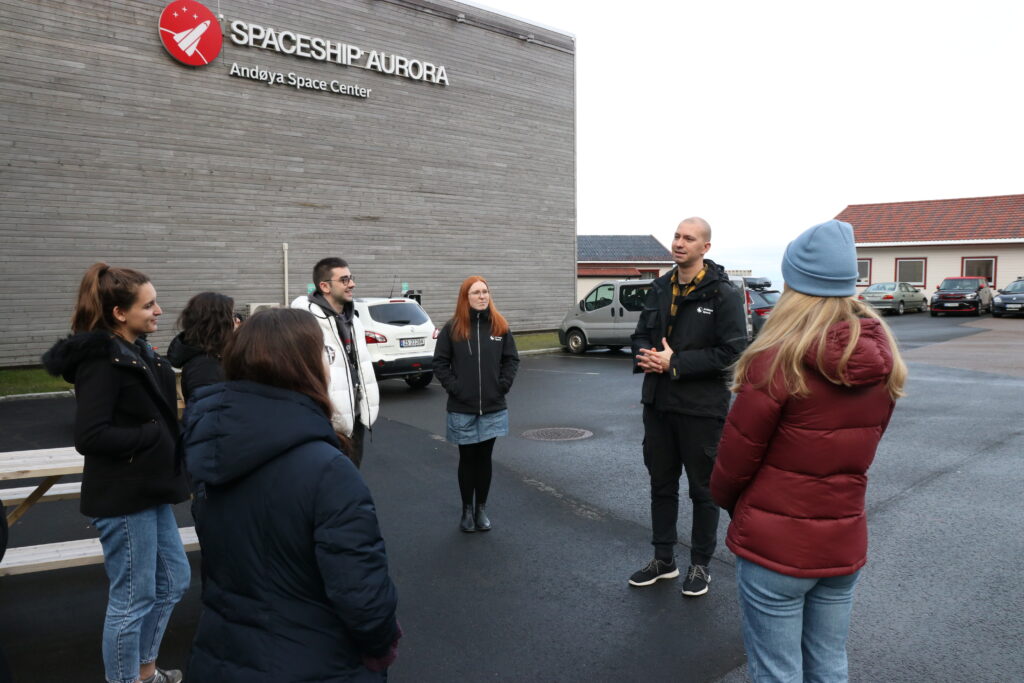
{"x": 822, "y": 261}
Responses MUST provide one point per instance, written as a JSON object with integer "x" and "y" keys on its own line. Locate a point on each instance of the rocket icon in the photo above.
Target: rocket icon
{"x": 188, "y": 40}
{"x": 190, "y": 32}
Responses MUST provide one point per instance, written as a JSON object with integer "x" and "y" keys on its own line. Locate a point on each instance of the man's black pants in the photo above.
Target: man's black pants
{"x": 674, "y": 442}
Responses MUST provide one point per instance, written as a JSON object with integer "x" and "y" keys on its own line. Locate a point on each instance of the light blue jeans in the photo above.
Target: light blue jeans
{"x": 794, "y": 629}
{"x": 149, "y": 574}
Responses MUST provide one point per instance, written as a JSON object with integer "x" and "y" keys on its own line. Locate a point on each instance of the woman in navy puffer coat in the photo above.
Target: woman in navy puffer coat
{"x": 295, "y": 576}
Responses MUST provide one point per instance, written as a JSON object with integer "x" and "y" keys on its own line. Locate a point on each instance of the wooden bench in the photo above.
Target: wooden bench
{"x": 67, "y": 491}
{"x": 41, "y": 558}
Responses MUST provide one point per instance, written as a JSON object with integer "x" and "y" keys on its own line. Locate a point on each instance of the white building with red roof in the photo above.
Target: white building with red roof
{"x": 926, "y": 241}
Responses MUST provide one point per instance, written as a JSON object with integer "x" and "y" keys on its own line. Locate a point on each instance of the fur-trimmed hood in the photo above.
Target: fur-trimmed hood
{"x": 64, "y": 357}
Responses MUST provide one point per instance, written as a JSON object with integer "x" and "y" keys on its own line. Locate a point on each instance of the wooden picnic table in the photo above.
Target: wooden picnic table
{"x": 50, "y": 464}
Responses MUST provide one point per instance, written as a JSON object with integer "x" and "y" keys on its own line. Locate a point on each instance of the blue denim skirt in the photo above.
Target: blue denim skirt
{"x": 466, "y": 428}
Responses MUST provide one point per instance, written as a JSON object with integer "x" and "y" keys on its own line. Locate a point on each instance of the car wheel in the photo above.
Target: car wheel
{"x": 615, "y": 349}
{"x": 419, "y": 381}
{"x": 977, "y": 310}
{"x": 899, "y": 308}
{"x": 575, "y": 342}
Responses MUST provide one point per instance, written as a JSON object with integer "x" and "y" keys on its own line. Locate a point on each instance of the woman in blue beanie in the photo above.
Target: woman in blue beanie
{"x": 815, "y": 392}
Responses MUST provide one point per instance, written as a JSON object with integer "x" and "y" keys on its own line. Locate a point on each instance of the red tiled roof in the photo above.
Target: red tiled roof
{"x": 973, "y": 219}
{"x": 622, "y": 271}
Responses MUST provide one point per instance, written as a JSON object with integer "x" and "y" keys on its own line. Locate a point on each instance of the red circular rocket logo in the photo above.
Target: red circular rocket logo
{"x": 190, "y": 32}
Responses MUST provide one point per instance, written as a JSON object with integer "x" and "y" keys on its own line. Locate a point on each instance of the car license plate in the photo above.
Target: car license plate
{"x": 1013, "y": 307}
{"x": 415, "y": 341}
{"x": 952, "y": 305}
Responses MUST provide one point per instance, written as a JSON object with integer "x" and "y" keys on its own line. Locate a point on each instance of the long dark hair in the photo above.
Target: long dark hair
{"x": 281, "y": 347}
{"x": 207, "y": 322}
{"x": 460, "y": 321}
{"x": 103, "y": 288}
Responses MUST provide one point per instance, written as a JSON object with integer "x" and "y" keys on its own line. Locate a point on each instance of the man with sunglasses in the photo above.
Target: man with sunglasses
{"x": 351, "y": 384}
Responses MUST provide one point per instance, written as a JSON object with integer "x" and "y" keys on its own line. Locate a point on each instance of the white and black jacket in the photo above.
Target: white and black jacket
{"x": 341, "y": 381}
{"x": 478, "y": 371}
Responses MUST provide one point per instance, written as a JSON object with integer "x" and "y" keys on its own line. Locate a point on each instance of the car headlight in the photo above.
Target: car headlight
{"x": 971, "y": 296}
{"x": 998, "y": 299}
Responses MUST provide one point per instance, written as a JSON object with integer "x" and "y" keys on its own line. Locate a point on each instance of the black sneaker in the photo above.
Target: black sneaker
{"x": 697, "y": 580}
{"x": 655, "y": 569}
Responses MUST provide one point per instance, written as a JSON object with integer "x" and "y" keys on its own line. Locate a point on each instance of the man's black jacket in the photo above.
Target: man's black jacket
{"x": 708, "y": 335}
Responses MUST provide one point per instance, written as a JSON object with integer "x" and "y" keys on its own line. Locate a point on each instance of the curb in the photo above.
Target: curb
{"x": 535, "y": 352}
{"x": 31, "y": 397}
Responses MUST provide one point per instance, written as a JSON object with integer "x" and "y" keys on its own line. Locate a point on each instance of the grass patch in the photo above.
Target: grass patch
{"x": 537, "y": 340}
{"x": 29, "y": 381}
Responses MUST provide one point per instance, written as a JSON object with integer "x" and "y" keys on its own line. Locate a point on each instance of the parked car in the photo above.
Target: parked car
{"x": 606, "y": 316}
{"x": 1009, "y": 300}
{"x": 894, "y": 297}
{"x": 968, "y": 294}
{"x": 761, "y": 299}
{"x": 401, "y": 338}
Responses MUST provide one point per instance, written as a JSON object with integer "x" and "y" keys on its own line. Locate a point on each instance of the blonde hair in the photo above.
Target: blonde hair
{"x": 799, "y": 321}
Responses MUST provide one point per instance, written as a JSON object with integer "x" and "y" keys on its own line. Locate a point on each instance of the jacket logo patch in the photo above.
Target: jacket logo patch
{"x": 495, "y": 338}
{"x": 705, "y": 311}
{"x": 330, "y": 354}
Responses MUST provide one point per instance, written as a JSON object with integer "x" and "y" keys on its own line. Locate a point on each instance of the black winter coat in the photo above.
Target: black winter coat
{"x": 295, "y": 576}
{"x": 198, "y": 368}
{"x": 708, "y": 336}
{"x": 126, "y": 422}
{"x": 476, "y": 372}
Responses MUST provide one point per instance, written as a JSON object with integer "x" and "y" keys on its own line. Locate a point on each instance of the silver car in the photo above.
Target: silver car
{"x": 606, "y": 316}
{"x": 894, "y": 297}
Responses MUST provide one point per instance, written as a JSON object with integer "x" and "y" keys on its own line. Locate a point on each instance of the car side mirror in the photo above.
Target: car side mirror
{"x": 581, "y": 305}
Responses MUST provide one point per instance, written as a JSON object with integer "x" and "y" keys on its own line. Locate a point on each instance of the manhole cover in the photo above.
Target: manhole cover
{"x": 557, "y": 434}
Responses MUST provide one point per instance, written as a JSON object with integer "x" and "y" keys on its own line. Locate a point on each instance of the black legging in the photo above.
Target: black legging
{"x": 475, "y": 471}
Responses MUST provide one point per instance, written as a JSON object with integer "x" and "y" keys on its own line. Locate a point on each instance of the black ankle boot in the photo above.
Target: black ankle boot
{"x": 482, "y": 523}
{"x": 467, "y": 524}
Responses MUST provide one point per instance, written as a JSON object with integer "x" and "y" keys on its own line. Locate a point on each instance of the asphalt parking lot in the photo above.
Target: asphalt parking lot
{"x": 544, "y": 595}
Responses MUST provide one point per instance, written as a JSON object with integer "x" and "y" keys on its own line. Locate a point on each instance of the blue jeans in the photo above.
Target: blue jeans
{"x": 794, "y": 629}
{"x": 149, "y": 574}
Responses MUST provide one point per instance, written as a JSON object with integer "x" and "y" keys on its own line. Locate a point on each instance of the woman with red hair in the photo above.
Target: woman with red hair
{"x": 476, "y": 361}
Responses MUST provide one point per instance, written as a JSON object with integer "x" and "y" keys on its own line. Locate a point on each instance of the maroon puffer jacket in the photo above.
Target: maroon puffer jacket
{"x": 793, "y": 470}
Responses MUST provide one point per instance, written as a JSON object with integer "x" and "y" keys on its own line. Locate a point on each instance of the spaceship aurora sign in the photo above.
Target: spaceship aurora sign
{"x": 190, "y": 32}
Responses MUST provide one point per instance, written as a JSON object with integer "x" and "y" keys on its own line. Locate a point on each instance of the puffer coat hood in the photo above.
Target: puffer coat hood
{"x": 792, "y": 471}
{"x": 237, "y": 427}
{"x": 295, "y": 574}
{"x": 67, "y": 354}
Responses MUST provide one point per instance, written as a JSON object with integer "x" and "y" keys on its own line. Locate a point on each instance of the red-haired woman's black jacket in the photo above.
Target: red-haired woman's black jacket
{"x": 478, "y": 371}
{"x": 126, "y": 423}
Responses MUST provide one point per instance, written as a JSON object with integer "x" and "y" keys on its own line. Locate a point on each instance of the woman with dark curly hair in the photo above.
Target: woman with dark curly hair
{"x": 206, "y": 323}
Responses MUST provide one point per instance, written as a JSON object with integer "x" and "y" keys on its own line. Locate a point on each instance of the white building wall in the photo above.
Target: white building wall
{"x": 944, "y": 261}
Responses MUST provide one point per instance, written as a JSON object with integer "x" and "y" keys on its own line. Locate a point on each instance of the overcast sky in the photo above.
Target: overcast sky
{"x": 766, "y": 118}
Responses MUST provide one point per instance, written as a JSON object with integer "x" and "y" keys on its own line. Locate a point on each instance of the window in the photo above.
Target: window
{"x": 863, "y": 271}
{"x": 981, "y": 266}
{"x": 404, "y": 313}
{"x": 911, "y": 270}
{"x": 599, "y": 298}
{"x": 632, "y": 296}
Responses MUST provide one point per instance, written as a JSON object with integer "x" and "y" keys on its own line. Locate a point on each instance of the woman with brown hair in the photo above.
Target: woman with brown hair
{"x": 206, "y": 323}
{"x": 475, "y": 360}
{"x": 295, "y": 575}
{"x": 126, "y": 426}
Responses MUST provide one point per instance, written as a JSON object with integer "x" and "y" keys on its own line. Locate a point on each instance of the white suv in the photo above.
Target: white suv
{"x": 400, "y": 337}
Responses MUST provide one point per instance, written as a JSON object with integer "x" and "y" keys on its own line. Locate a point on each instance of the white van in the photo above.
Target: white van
{"x": 606, "y": 316}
